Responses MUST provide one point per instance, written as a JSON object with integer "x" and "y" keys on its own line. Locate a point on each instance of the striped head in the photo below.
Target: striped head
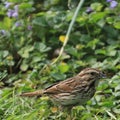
{"x": 92, "y": 73}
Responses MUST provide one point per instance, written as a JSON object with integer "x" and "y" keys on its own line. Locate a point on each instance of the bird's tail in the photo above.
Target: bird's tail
{"x": 32, "y": 94}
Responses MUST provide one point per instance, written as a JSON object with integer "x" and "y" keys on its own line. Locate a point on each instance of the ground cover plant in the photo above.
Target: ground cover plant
{"x": 31, "y": 35}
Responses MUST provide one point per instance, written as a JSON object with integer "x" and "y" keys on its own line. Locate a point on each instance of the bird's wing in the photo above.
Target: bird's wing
{"x": 63, "y": 86}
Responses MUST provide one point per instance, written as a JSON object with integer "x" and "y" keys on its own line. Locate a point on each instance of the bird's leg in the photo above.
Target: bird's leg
{"x": 69, "y": 112}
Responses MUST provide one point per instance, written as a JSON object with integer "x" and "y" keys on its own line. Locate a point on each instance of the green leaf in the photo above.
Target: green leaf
{"x": 25, "y": 5}
{"x": 58, "y": 76}
{"x": 110, "y": 20}
{"x": 24, "y": 52}
{"x": 7, "y": 22}
{"x": 94, "y": 17}
{"x": 93, "y": 43}
{"x": 41, "y": 21}
{"x": 63, "y": 67}
{"x": 24, "y": 67}
{"x": 117, "y": 25}
{"x": 72, "y": 51}
{"x": 111, "y": 51}
{"x": 96, "y": 6}
{"x": 41, "y": 47}
{"x": 100, "y": 51}
{"x": 82, "y": 20}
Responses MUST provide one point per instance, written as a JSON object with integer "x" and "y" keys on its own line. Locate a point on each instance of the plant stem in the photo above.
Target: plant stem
{"x": 69, "y": 31}
{"x": 67, "y": 34}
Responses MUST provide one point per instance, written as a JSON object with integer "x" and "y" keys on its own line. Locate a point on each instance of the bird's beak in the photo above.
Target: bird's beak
{"x": 102, "y": 75}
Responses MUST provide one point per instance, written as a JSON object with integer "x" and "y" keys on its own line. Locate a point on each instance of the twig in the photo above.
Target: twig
{"x": 68, "y": 34}
{"x": 69, "y": 31}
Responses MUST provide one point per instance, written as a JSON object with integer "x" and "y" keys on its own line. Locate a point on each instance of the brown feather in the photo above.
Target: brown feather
{"x": 32, "y": 94}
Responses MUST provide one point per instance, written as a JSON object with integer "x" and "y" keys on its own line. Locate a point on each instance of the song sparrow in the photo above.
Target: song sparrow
{"x": 72, "y": 91}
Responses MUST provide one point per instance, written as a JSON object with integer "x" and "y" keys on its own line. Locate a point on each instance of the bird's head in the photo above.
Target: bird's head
{"x": 92, "y": 75}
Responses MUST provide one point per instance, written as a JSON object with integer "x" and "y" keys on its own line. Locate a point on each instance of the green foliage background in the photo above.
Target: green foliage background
{"x": 27, "y": 48}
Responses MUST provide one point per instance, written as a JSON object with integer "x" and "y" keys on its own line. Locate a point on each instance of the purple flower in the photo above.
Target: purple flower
{"x": 3, "y": 32}
{"x": 15, "y": 14}
{"x": 29, "y": 27}
{"x": 18, "y": 23}
{"x": 7, "y": 4}
{"x": 10, "y": 13}
{"x": 108, "y": 0}
{"x": 89, "y": 10}
{"x": 113, "y": 4}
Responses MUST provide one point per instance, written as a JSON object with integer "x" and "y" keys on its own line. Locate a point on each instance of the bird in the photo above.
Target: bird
{"x": 73, "y": 91}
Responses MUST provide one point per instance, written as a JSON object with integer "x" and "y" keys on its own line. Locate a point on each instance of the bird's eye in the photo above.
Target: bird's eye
{"x": 92, "y": 73}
